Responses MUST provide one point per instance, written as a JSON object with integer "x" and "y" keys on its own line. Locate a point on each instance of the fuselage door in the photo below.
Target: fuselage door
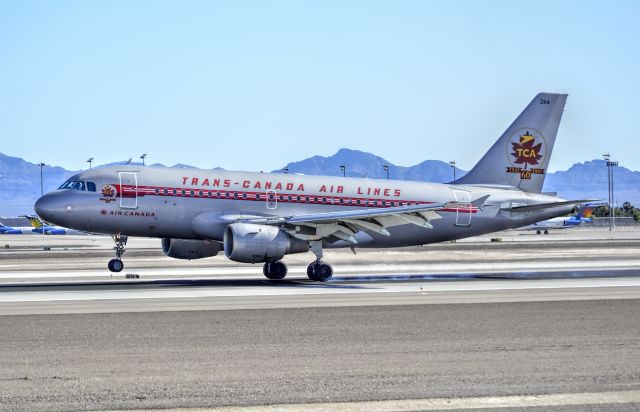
{"x": 463, "y": 214}
{"x": 128, "y": 190}
{"x": 272, "y": 199}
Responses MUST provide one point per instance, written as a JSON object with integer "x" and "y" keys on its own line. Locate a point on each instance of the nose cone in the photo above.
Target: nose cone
{"x": 51, "y": 207}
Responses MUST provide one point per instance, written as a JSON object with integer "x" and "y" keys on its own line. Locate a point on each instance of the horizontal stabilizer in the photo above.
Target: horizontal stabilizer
{"x": 543, "y": 206}
{"x": 479, "y": 203}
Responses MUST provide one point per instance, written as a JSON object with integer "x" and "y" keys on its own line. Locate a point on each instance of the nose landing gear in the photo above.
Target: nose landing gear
{"x": 116, "y": 265}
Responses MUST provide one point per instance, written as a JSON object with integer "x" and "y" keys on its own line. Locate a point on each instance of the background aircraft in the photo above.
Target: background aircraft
{"x": 261, "y": 217}
{"x": 40, "y": 226}
{"x": 6, "y": 230}
{"x": 565, "y": 222}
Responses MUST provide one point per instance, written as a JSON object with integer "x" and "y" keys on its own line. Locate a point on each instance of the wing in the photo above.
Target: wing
{"x": 344, "y": 224}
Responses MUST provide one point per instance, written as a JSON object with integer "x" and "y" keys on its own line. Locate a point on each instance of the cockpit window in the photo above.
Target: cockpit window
{"x": 79, "y": 185}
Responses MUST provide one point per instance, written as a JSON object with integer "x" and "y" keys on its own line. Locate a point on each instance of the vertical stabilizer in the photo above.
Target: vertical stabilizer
{"x": 521, "y": 155}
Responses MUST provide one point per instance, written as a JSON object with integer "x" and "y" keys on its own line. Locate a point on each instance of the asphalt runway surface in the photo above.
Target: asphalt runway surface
{"x": 310, "y": 355}
{"x": 527, "y": 324}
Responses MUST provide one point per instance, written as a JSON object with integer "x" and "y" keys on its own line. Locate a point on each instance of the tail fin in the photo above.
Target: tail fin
{"x": 521, "y": 155}
{"x": 586, "y": 210}
{"x": 35, "y": 221}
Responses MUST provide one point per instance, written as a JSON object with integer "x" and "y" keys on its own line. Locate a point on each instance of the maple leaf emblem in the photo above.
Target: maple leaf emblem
{"x": 108, "y": 191}
{"x": 526, "y": 152}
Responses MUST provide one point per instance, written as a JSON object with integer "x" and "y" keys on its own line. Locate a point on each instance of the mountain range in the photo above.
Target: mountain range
{"x": 20, "y": 179}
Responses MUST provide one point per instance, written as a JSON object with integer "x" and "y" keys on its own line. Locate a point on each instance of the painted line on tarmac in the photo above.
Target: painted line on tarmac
{"x": 442, "y": 404}
{"x": 269, "y": 289}
{"x": 9, "y": 272}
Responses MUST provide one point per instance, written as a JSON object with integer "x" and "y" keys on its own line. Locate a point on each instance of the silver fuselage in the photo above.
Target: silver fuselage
{"x": 199, "y": 204}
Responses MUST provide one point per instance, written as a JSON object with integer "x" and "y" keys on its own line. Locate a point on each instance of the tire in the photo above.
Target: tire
{"x": 310, "y": 271}
{"x": 115, "y": 265}
{"x": 322, "y": 272}
{"x": 275, "y": 270}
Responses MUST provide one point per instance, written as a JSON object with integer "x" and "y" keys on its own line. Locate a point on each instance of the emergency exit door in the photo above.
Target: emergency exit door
{"x": 128, "y": 190}
{"x": 463, "y": 210}
{"x": 272, "y": 199}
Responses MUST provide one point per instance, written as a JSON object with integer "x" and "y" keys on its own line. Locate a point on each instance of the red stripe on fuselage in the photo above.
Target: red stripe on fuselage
{"x": 300, "y": 198}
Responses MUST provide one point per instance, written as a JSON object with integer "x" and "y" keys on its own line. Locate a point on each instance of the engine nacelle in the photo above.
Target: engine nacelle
{"x": 250, "y": 243}
{"x": 190, "y": 249}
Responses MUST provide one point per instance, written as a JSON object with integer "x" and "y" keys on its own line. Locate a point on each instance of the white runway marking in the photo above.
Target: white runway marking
{"x": 409, "y": 268}
{"x": 442, "y": 404}
{"x": 169, "y": 291}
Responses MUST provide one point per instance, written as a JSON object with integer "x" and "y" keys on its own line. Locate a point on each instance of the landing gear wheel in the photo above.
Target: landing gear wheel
{"x": 320, "y": 272}
{"x": 115, "y": 265}
{"x": 538, "y": 232}
{"x": 275, "y": 270}
{"x": 546, "y": 232}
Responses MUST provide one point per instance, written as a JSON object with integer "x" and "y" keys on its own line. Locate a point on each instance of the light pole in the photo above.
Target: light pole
{"x": 386, "y": 169}
{"x": 90, "y": 161}
{"x": 343, "y": 168}
{"x": 142, "y": 157}
{"x": 41, "y": 185}
{"x": 610, "y": 165}
{"x": 453, "y": 166}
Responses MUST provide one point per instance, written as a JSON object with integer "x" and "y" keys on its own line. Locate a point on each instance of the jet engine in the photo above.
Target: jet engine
{"x": 251, "y": 243}
{"x": 190, "y": 249}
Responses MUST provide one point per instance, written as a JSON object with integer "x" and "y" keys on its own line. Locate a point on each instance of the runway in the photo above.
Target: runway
{"x": 231, "y": 294}
{"x": 317, "y": 355}
{"x": 523, "y": 324}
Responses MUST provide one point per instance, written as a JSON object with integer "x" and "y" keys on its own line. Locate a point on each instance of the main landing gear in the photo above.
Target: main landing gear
{"x": 116, "y": 265}
{"x": 317, "y": 270}
{"x": 275, "y": 270}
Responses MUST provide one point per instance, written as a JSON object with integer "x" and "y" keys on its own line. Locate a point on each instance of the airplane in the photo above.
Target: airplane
{"x": 583, "y": 216}
{"x": 44, "y": 228}
{"x": 261, "y": 217}
{"x": 6, "y": 230}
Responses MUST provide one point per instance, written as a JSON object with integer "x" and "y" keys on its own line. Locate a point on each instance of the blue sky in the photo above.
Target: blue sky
{"x": 253, "y": 85}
